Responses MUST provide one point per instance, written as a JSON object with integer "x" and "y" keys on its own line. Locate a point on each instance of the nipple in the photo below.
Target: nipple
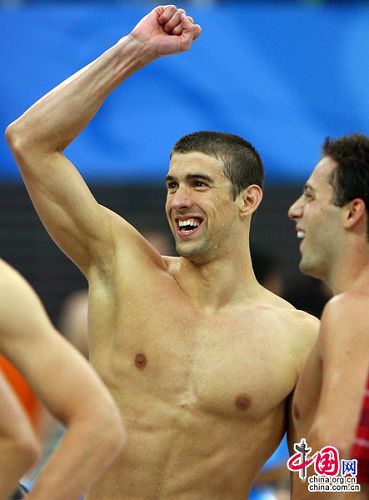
{"x": 242, "y": 402}
{"x": 140, "y": 361}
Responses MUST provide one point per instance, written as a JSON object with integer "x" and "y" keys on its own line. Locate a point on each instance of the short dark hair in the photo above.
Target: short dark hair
{"x": 242, "y": 163}
{"x": 350, "y": 178}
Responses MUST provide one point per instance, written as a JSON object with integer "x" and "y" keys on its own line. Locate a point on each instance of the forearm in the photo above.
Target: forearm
{"x": 85, "y": 452}
{"x": 15, "y": 460}
{"x": 56, "y": 119}
{"x": 19, "y": 447}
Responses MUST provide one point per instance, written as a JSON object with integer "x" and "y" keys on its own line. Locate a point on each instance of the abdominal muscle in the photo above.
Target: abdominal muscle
{"x": 192, "y": 457}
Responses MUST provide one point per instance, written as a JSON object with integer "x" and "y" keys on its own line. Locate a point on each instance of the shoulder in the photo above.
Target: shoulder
{"x": 132, "y": 250}
{"x": 346, "y": 304}
{"x": 18, "y": 298}
{"x": 298, "y": 331}
{"x": 11, "y": 281}
{"x": 5, "y": 271}
{"x": 345, "y": 317}
{"x": 128, "y": 243}
{"x": 293, "y": 319}
{"x": 302, "y": 328}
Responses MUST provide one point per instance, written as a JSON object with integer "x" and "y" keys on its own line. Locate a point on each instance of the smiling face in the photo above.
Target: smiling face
{"x": 199, "y": 206}
{"x": 318, "y": 221}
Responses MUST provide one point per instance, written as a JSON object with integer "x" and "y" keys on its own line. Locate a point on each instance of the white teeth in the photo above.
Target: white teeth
{"x": 300, "y": 234}
{"x": 188, "y": 222}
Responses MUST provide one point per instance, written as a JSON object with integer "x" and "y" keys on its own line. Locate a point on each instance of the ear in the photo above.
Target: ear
{"x": 354, "y": 212}
{"x": 249, "y": 199}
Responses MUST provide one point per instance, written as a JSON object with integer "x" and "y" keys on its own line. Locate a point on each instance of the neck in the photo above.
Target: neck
{"x": 217, "y": 283}
{"x": 351, "y": 271}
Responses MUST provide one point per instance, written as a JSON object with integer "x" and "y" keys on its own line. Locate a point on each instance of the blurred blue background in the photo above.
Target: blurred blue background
{"x": 283, "y": 75}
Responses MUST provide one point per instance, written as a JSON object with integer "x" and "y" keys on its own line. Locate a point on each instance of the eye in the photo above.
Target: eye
{"x": 199, "y": 184}
{"x": 172, "y": 185}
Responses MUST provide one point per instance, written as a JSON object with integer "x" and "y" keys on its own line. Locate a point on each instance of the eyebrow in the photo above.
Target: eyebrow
{"x": 307, "y": 186}
{"x": 191, "y": 177}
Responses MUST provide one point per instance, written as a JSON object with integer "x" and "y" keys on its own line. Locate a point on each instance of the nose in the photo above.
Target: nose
{"x": 181, "y": 198}
{"x": 296, "y": 209}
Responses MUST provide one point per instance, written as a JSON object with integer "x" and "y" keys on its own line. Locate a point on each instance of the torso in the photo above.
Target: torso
{"x": 308, "y": 388}
{"x": 203, "y": 396}
{"x": 307, "y": 392}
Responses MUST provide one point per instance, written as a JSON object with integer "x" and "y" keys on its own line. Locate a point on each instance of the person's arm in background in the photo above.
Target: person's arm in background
{"x": 67, "y": 385}
{"x": 19, "y": 447}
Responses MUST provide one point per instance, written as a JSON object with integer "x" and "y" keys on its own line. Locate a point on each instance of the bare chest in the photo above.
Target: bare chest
{"x": 231, "y": 363}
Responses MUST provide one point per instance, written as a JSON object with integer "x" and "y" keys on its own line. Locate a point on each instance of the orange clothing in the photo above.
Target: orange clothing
{"x": 25, "y": 394}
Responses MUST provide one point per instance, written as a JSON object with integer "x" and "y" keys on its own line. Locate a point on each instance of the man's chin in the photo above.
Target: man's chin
{"x": 194, "y": 252}
{"x": 309, "y": 269}
{"x": 304, "y": 267}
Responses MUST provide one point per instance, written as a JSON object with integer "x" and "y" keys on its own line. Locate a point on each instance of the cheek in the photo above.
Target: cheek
{"x": 167, "y": 206}
{"x": 226, "y": 216}
{"x": 313, "y": 214}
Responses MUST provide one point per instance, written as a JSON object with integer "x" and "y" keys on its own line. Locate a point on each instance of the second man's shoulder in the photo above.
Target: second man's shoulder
{"x": 346, "y": 312}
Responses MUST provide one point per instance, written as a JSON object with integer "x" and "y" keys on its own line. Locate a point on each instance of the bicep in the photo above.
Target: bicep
{"x": 59, "y": 375}
{"x": 341, "y": 395}
{"x": 344, "y": 350}
{"x": 68, "y": 210}
{"x": 63, "y": 379}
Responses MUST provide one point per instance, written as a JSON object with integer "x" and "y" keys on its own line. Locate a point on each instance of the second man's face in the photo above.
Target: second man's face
{"x": 317, "y": 221}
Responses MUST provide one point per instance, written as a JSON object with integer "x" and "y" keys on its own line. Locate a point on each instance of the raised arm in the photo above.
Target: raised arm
{"x": 67, "y": 385}
{"x": 38, "y": 138}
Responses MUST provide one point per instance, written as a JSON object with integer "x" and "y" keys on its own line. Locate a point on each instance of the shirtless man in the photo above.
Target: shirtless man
{"x": 332, "y": 220}
{"x": 67, "y": 386}
{"x": 199, "y": 356}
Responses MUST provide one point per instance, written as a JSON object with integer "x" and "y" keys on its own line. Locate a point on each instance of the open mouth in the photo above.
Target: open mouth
{"x": 301, "y": 237}
{"x": 188, "y": 225}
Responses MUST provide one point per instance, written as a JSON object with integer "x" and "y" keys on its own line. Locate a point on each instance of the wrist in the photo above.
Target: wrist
{"x": 138, "y": 50}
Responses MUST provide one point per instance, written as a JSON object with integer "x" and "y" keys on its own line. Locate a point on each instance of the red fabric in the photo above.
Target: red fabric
{"x": 25, "y": 394}
{"x": 360, "y": 449}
